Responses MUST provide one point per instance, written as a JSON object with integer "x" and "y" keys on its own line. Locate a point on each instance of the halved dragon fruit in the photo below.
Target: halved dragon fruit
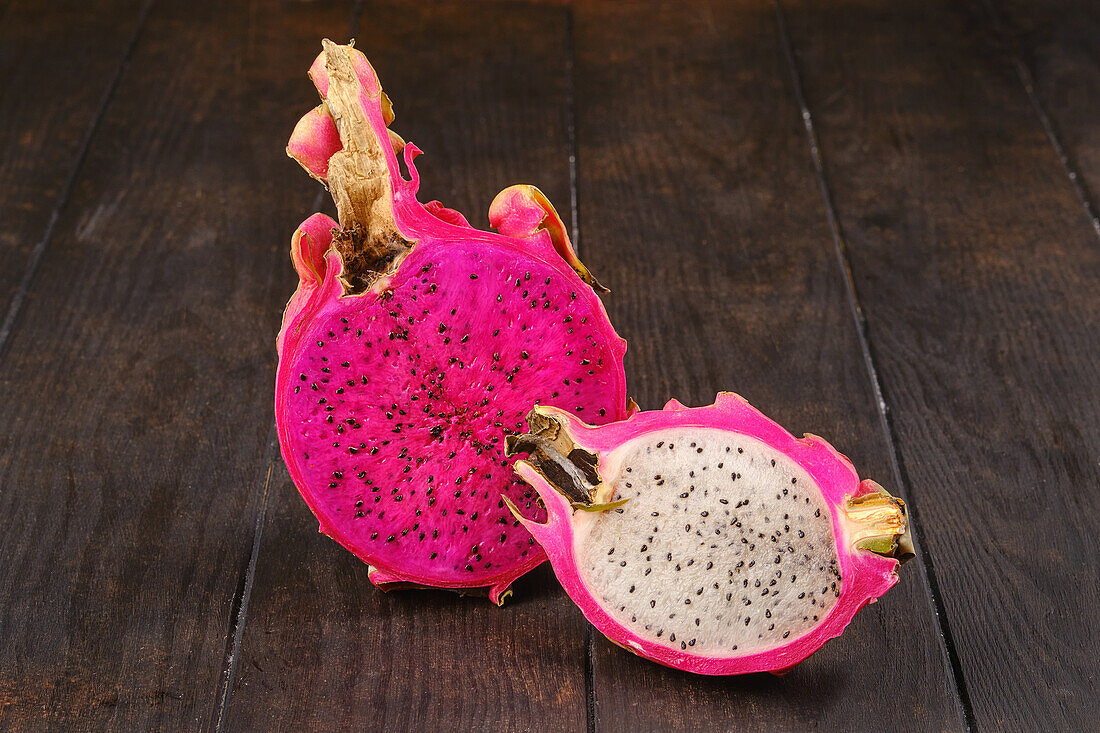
{"x": 709, "y": 539}
{"x": 415, "y": 342}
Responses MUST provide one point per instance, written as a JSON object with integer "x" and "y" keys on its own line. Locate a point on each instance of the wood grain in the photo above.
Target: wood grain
{"x": 699, "y": 207}
{"x": 1055, "y": 42}
{"x": 136, "y": 388}
{"x": 50, "y": 103}
{"x": 145, "y": 152}
{"x": 977, "y": 269}
{"x": 481, "y": 88}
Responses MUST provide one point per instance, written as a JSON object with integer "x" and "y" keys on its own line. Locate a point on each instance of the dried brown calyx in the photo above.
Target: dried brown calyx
{"x": 359, "y": 177}
{"x": 569, "y": 469}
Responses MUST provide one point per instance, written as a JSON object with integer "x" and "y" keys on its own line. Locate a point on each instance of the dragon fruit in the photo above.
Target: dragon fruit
{"x": 709, "y": 539}
{"x": 414, "y": 343}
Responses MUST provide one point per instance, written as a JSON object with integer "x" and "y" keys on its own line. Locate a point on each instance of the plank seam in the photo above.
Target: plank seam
{"x": 901, "y": 476}
{"x": 590, "y": 646}
{"x": 243, "y": 594}
{"x": 575, "y": 233}
{"x": 1028, "y": 82}
{"x": 239, "y": 605}
{"x": 571, "y": 128}
{"x": 39, "y": 251}
{"x": 238, "y": 608}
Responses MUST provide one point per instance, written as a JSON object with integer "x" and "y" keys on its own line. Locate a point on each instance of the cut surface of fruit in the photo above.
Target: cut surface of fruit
{"x": 415, "y": 343}
{"x": 709, "y": 539}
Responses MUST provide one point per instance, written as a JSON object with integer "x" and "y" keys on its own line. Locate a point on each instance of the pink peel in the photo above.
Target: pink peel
{"x": 313, "y": 141}
{"x": 521, "y": 210}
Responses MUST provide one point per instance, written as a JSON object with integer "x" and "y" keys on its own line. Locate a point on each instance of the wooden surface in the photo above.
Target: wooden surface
{"x": 874, "y": 219}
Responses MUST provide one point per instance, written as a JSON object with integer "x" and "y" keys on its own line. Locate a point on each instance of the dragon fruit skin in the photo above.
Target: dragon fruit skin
{"x": 870, "y": 525}
{"x": 397, "y": 382}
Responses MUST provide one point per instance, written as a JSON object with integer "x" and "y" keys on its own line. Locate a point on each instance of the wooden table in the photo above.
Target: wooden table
{"x": 875, "y": 219}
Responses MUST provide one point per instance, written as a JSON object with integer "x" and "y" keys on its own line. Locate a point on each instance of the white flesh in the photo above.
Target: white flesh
{"x": 719, "y": 571}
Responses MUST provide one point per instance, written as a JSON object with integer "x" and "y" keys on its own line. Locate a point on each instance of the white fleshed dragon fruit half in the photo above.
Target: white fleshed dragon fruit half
{"x": 709, "y": 539}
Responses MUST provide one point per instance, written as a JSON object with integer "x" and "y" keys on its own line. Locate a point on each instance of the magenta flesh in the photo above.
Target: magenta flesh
{"x": 415, "y": 344}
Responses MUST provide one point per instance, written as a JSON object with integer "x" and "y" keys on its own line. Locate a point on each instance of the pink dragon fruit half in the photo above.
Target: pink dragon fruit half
{"x": 415, "y": 343}
{"x": 709, "y": 539}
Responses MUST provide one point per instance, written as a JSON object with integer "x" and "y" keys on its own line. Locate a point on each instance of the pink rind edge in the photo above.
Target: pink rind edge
{"x": 385, "y": 582}
{"x": 313, "y": 141}
{"x": 308, "y": 246}
{"x": 869, "y": 575}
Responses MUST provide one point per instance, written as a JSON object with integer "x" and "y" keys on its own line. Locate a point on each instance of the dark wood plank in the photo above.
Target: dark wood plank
{"x": 49, "y": 106}
{"x": 136, "y": 390}
{"x": 977, "y": 271}
{"x": 1055, "y": 41}
{"x": 700, "y": 208}
{"x": 481, "y": 87}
